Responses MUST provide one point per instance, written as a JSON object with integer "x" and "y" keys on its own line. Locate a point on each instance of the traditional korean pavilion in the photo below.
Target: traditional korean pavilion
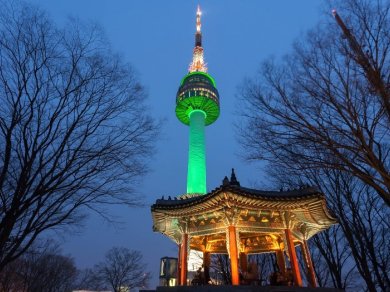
{"x": 240, "y": 221}
{"x": 232, "y": 219}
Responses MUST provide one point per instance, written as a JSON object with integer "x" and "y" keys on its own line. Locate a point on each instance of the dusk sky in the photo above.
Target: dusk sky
{"x": 157, "y": 38}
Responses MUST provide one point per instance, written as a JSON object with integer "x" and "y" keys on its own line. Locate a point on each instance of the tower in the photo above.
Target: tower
{"x": 232, "y": 219}
{"x": 197, "y": 105}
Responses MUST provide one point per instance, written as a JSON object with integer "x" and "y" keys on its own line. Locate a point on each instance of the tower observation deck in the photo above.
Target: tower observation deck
{"x": 197, "y": 105}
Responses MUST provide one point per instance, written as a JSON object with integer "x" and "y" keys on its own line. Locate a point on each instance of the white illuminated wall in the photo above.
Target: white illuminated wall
{"x": 195, "y": 260}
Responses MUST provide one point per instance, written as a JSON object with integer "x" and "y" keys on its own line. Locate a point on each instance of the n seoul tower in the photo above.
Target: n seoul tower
{"x": 197, "y": 105}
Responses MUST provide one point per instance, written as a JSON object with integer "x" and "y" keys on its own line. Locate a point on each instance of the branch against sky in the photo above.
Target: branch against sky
{"x": 121, "y": 269}
{"x": 317, "y": 109}
{"x": 42, "y": 268}
{"x": 317, "y": 118}
{"x": 355, "y": 254}
{"x": 74, "y": 131}
{"x": 371, "y": 51}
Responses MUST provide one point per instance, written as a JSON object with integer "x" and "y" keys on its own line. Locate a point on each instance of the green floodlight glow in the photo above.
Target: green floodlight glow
{"x": 196, "y": 176}
{"x": 197, "y": 91}
{"x": 197, "y": 105}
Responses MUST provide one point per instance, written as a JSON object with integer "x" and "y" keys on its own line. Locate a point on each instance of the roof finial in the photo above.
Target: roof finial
{"x": 233, "y": 179}
{"x": 198, "y": 64}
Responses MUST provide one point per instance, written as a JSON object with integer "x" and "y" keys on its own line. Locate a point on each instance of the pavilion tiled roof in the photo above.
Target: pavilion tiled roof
{"x": 283, "y": 195}
{"x": 257, "y": 212}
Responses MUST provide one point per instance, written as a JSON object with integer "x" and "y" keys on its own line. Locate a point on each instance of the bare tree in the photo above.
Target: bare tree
{"x": 318, "y": 118}
{"x": 122, "y": 269}
{"x": 266, "y": 265}
{"x": 10, "y": 279}
{"x": 365, "y": 223}
{"x": 220, "y": 266}
{"x": 318, "y": 108}
{"x": 41, "y": 269}
{"x": 74, "y": 130}
{"x": 334, "y": 266}
{"x": 89, "y": 280}
{"x": 372, "y": 68}
{"x": 359, "y": 245}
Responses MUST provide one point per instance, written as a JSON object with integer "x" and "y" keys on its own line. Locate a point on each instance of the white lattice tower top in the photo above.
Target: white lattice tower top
{"x": 198, "y": 64}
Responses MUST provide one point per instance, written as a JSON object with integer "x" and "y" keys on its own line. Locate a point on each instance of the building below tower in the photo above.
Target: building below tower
{"x": 239, "y": 221}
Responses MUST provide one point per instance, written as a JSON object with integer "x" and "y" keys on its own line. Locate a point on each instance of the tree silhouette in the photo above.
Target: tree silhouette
{"x": 121, "y": 269}
{"x": 74, "y": 130}
{"x": 319, "y": 117}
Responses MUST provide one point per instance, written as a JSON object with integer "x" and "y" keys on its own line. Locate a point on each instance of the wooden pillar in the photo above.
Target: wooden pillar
{"x": 281, "y": 261}
{"x": 206, "y": 265}
{"x": 183, "y": 259}
{"x": 311, "y": 276}
{"x": 233, "y": 251}
{"x": 293, "y": 258}
{"x": 178, "y": 265}
{"x": 243, "y": 262}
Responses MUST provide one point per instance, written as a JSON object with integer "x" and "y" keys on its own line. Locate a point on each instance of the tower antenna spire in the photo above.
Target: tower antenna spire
{"x": 198, "y": 25}
{"x": 198, "y": 64}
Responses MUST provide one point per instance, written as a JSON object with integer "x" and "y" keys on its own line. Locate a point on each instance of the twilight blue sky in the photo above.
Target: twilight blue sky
{"x": 157, "y": 38}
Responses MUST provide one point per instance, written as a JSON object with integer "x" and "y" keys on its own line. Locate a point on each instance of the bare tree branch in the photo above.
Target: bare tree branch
{"x": 74, "y": 130}
{"x": 121, "y": 269}
{"x": 317, "y": 108}
{"x": 319, "y": 118}
{"x": 41, "y": 269}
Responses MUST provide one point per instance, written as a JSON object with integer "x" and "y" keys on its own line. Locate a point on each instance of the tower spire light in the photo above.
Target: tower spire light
{"x": 198, "y": 64}
{"x": 198, "y": 23}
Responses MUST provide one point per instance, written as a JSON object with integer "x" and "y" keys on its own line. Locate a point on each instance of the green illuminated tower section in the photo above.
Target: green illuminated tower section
{"x": 197, "y": 105}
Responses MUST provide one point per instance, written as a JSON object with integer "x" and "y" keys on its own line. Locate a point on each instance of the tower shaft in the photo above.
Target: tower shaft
{"x": 196, "y": 176}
